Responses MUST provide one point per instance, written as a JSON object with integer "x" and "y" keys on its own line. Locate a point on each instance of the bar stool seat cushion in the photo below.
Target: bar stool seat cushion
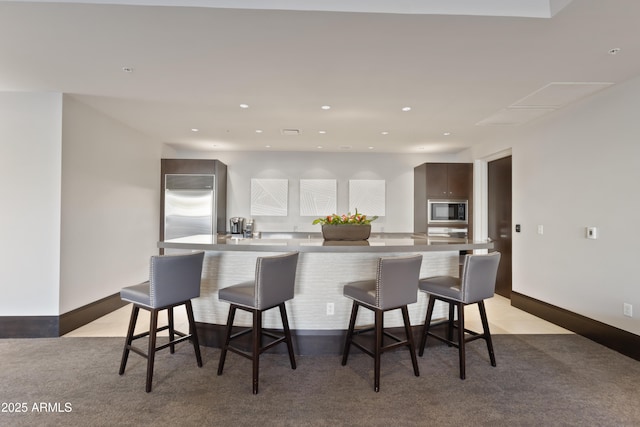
{"x": 447, "y": 286}
{"x": 137, "y": 294}
{"x": 243, "y": 294}
{"x": 362, "y": 290}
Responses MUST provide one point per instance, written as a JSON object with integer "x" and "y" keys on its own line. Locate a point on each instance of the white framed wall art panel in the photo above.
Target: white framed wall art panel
{"x": 368, "y": 196}
{"x": 269, "y": 197}
{"x": 318, "y": 197}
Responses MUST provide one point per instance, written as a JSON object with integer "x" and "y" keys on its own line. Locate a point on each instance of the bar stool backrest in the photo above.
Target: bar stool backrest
{"x": 479, "y": 274}
{"x": 397, "y": 281}
{"x": 275, "y": 279}
{"x": 175, "y": 278}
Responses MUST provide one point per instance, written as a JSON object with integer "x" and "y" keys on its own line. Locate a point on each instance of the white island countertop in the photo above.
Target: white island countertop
{"x": 313, "y": 242}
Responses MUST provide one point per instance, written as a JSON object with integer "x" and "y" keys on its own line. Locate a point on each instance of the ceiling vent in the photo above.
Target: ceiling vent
{"x": 514, "y": 116}
{"x": 559, "y": 94}
{"x": 290, "y": 131}
{"x": 544, "y": 100}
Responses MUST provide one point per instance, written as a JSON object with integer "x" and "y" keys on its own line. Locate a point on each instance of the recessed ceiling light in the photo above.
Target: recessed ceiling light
{"x": 319, "y": 147}
{"x": 447, "y": 133}
{"x": 258, "y": 130}
{"x": 406, "y": 108}
{"x": 127, "y": 69}
{"x": 244, "y": 105}
{"x": 322, "y": 132}
{"x": 384, "y": 132}
{"x": 267, "y": 146}
{"x": 326, "y": 107}
{"x": 371, "y": 148}
{"x": 195, "y": 130}
{"x": 614, "y": 51}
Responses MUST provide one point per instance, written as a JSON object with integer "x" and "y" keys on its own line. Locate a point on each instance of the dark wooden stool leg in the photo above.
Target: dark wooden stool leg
{"x": 193, "y": 332}
{"x": 412, "y": 347}
{"x": 257, "y": 345}
{"x": 225, "y": 346}
{"x": 461, "y": 340}
{"x": 172, "y": 335}
{"x": 153, "y": 329}
{"x": 450, "y": 324}
{"x": 352, "y": 324}
{"x": 427, "y": 323}
{"x": 487, "y": 333}
{"x": 127, "y": 343}
{"x": 287, "y": 334}
{"x": 379, "y": 325}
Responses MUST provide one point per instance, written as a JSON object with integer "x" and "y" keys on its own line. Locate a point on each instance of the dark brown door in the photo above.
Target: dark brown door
{"x": 499, "y": 194}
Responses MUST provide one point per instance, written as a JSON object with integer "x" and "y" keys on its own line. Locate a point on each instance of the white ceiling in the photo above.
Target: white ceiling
{"x": 461, "y": 73}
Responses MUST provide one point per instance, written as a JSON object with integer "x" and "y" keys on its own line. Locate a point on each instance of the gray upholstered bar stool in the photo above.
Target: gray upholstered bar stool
{"x": 478, "y": 282}
{"x": 395, "y": 286}
{"x": 174, "y": 281}
{"x": 273, "y": 285}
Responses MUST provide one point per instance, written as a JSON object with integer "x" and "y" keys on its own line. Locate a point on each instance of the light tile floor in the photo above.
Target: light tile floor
{"x": 115, "y": 324}
{"x": 503, "y": 319}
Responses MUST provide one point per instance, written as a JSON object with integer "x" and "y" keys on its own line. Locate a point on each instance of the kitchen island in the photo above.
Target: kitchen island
{"x": 319, "y": 313}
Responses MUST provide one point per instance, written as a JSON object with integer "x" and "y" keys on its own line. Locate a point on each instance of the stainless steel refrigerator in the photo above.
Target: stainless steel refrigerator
{"x": 189, "y": 205}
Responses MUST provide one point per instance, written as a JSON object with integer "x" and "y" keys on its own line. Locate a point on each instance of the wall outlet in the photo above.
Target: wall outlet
{"x": 330, "y": 309}
{"x": 627, "y": 310}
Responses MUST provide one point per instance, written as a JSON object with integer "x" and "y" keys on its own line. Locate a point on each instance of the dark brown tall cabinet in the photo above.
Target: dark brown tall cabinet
{"x": 442, "y": 181}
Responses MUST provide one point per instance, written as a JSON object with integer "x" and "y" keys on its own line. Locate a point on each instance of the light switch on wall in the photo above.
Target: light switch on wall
{"x": 540, "y": 229}
{"x": 592, "y": 233}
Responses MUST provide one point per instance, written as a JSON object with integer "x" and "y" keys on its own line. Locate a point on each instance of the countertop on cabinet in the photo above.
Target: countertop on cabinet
{"x": 313, "y": 242}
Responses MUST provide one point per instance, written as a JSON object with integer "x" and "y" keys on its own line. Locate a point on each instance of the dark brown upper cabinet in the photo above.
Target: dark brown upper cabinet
{"x": 449, "y": 180}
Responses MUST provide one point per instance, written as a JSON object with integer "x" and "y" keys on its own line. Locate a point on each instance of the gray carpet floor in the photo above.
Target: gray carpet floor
{"x": 540, "y": 380}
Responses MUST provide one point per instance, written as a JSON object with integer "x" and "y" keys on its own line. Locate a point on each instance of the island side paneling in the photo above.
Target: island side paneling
{"x": 319, "y": 280}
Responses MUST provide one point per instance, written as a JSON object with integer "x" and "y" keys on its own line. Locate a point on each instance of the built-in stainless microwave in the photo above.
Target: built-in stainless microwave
{"x": 448, "y": 211}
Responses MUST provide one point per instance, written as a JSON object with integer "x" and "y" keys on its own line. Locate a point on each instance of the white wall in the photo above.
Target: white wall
{"x": 30, "y": 150}
{"x": 579, "y": 168}
{"x": 110, "y": 205}
{"x": 395, "y": 169}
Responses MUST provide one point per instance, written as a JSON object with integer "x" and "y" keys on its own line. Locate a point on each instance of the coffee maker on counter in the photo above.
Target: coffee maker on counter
{"x": 248, "y": 229}
{"x": 236, "y": 225}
